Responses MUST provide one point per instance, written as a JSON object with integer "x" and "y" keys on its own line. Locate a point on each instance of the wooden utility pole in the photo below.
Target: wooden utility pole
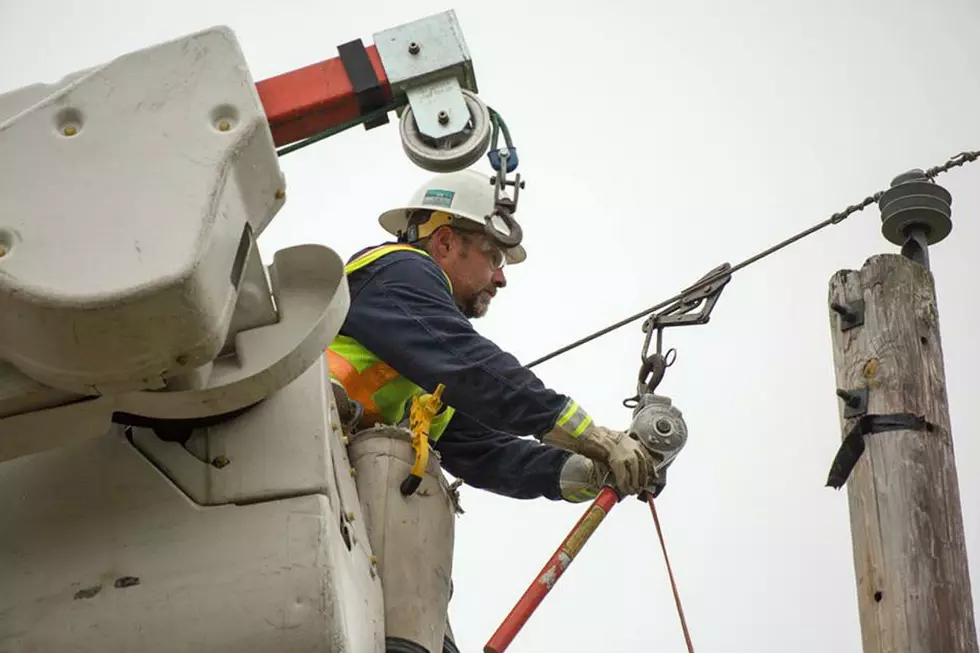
{"x": 908, "y": 543}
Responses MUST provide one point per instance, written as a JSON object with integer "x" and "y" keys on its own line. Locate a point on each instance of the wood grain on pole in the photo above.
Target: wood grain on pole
{"x": 906, "y": 523}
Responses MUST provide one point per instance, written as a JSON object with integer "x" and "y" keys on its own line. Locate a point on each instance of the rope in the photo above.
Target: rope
{"x": 955, "y": 161}
{"x": 499, "y": 126}
{"x": 670, "y": 573}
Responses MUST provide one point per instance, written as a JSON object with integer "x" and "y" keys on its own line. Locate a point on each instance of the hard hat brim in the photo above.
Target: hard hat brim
{"x": 396, "y": 220}
{"x": 515, "y": 255}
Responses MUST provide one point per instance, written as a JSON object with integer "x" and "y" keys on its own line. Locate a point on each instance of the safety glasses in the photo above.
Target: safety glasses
{"x": 494, "y": 254}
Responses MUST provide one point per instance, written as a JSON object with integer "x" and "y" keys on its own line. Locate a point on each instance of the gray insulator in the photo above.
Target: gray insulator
{"x": 915, "y": 208}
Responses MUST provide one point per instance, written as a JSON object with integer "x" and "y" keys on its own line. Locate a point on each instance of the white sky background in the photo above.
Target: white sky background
{"x": 646, "y": 129}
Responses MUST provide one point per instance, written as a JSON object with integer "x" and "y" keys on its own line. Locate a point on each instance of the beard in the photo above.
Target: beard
{"x": 476, "y": 305}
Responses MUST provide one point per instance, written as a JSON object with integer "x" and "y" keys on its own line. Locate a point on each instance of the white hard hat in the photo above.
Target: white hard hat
{"x": 468, "y": 197}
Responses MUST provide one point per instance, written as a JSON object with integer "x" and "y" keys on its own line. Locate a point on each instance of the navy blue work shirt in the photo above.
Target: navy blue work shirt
{"x": 402, "y": 310}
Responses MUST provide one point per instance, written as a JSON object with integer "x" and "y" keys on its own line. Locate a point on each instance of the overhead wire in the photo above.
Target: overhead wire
{"x": 954, "y": 161}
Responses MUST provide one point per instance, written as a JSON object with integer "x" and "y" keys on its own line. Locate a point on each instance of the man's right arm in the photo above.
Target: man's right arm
{"x": 502, "y": 463}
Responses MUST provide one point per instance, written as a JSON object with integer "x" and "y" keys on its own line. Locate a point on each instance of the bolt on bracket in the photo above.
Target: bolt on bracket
{"x": 850, "y": 314}
{"x": 429, "y": 62}
{"x": 855, "y": 401}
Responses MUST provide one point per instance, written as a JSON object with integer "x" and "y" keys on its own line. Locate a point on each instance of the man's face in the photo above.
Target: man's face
{"x": 475, "y": 266}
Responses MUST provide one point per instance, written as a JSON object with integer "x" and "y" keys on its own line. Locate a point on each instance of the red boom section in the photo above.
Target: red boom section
{"x": 308, "y": 100}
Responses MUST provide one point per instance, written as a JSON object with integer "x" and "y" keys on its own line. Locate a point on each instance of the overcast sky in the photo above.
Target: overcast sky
{"x": 658, "y": 139}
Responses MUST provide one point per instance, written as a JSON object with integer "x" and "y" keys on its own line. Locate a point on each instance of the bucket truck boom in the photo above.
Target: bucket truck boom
{"x": 172, "y": 470}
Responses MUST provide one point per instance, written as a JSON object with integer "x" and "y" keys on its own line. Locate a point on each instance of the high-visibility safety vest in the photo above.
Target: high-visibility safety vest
{"x": 383, "y": 393}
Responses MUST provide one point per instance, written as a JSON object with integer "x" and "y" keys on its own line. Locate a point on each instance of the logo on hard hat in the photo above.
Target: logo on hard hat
{"x": 442, "y": 198}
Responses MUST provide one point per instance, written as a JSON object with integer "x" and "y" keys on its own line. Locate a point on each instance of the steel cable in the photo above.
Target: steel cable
{"x": 955, "y": 161}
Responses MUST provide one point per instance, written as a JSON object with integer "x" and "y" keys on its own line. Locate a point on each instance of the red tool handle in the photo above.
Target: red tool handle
{"x": 552, "y": 571}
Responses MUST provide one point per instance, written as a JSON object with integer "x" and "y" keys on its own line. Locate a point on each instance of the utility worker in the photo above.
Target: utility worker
{"x": 407, "y": 331}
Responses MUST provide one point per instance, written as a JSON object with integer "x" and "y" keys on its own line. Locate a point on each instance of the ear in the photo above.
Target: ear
{"x": 442, "y": 241}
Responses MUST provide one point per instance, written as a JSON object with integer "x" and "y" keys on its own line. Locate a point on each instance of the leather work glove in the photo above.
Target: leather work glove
{"x": 632, "y": 466}
{"x": 581, "y": 478}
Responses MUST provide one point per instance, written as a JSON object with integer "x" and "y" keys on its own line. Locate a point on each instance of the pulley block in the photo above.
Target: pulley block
{"x": 454, "y": 151}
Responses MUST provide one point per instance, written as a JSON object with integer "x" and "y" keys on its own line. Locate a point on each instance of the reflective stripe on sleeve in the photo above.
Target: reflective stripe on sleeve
{"x": 573, "y": 420}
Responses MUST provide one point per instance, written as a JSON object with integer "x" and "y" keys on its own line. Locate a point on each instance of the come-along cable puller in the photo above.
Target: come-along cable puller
{"x": 657, "y": 424}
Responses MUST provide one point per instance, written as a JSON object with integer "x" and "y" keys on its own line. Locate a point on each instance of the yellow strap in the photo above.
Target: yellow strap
{"x": 436, "y": 220}
{"x": 373, "y": 255}
{"x": 424, "y": 408}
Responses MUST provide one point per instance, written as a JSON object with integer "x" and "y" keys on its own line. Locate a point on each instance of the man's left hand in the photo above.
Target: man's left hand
{"x": 582, "y": 478}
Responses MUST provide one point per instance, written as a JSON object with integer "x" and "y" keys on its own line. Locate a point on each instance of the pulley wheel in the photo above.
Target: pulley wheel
{"x": 451, "y": 153}
{"x": 913, "y": 203}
